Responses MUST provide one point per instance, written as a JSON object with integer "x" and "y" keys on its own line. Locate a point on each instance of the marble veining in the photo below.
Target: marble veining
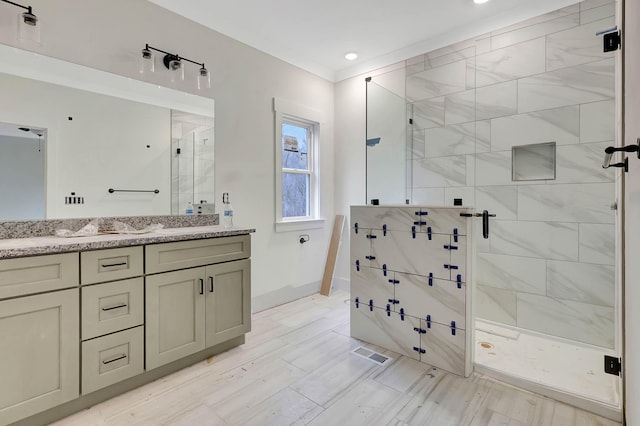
{"x": 512, "y": 62}
{"x": 497, "y": 100}
{"x": 597, "y": 243}
{"x": 451, "y": 140}
{"x": 443, "y": 348}
{"x": 428, "y": 113}
{"x": 19, "y": 247}
{"x": 460, "y": 107}
{"x": 524, "y": 274}
{"x": 597, "y": 121}
{"x": 495, "y": 304}
{"x": 541, "y": 28}
{"x": 582, "y": 164}
{"x": 577, "y": 321}
{"x": 440, "y": 172}
{"x": 584, "y": 83}
{"x": 545, "y": 240}
{"x": 450, "y": 78}
{"x": 577, "y": 45}
{"x": 559, "y": 125}
{"x": 581, "y": 282}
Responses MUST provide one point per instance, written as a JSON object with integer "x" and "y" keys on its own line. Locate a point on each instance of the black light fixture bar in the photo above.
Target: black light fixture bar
{"x": 169, "y": 56}
{"x": 27, "y": 8}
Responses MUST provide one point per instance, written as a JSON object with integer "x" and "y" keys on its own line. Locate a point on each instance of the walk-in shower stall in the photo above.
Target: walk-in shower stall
{"x": 515, "y": 122}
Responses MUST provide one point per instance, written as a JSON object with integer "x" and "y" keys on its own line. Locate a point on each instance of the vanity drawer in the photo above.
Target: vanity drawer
{"x": 110, "y": 265}
{"x": 110, "y": 307}
{"x": 187, "y": 254}
{"x": 111, "y": 359}
{"x": 36, "y": 274}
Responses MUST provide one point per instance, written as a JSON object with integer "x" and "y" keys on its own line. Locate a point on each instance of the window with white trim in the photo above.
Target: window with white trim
{"x": 297, "y": 139}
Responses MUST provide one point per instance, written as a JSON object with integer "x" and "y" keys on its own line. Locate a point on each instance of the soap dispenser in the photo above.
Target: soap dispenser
{"x": 227, "y": 212}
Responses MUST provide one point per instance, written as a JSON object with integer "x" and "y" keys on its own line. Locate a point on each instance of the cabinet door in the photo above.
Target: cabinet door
{"x": 39, "y": 343}
{"x": 175, "y": 305}
{"x": 228, "y": 311}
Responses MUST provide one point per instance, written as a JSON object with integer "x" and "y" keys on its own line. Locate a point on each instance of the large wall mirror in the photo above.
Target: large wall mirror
{"x": 388, "y": 165}
{"x": 69, "y": 133}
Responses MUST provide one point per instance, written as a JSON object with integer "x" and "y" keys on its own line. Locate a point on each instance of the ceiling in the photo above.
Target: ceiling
{"x": 315, "y": 34}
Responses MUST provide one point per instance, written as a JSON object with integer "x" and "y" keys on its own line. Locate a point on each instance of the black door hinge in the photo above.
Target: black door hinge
{"x": 612, "y": 365}
{"x": 611, "y": 41}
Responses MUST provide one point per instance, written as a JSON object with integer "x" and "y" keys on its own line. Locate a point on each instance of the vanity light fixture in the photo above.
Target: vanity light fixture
{"x": 28, "y": 28}
{"x": 174, "y": 63}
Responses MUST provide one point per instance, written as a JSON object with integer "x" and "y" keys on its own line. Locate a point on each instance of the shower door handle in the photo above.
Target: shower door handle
{"x": 485, "y": 215}
{"x": 485, "y": 223}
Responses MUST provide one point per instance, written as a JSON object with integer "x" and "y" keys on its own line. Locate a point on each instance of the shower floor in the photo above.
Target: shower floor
{"x": 569, "y": 368}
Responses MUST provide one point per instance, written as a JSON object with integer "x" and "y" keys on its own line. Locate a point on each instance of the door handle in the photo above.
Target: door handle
{"x": 485, "y": 215}
{"x": 211, "y": 284}
{"x": 201, "y": 286}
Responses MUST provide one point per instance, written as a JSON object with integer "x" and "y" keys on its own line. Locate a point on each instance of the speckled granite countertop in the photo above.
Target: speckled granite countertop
{"x": 19, "y": 247}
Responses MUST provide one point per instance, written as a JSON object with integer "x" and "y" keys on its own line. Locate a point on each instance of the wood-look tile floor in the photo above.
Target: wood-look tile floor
{"x": 297, "y": 368}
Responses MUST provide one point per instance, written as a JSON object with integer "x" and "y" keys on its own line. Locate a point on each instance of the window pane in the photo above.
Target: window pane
{"x": 295, "y": 147}
{"x": 295, "y": 195}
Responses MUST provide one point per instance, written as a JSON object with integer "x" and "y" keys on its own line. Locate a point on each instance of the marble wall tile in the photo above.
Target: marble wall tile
{"x": 374, "y": 217}
{"x": 572, "y": 320}
{"x": 597, "y": 243}
{"x": 568, "y": 86}
{"x": 444, "y": 221}
{"x": 483, "y": 136}
{"x": 559, "y": 13}
{"x": 559, "y": 125}
{"x": 577, "y": 45}
{"x": 524, "y": 274}
{"x": 597, "y": 13}
{"x": 460, "y": 107}
{"x": 401, "y": 252}
{"x": 483, "y": 45}
{"x": 590, "y": 4}
{"x": 588, "y": 203}
{"x": 450, "y": 78}
{"x": 453, "y": 49}
{"x": 544, "y": 240}
{"x": 417, "y": 144}
{"x": 470, "y": 170}
{"x": 467, "y": 193}
{"x": 497, "y": 100}
{"x": 443, "y": 349}
{"x": 440, "y": 172}
{"x": 385, "y": 331}
{"x": 451, "y": 140}
{"x": 535, "y": 30}
{"x": 428, "y": 196}
{"x": 493, "y": 168}
{"x": 582, "y": 164}
{"x": 495, "y": 304}
{"x": 371, "y": 284}
{"x": 597, "y": 121}
{"x": 447, "y": 58}
{"x": 581, "y": 282}
{"x": 360, "y": 247}
{"x": 511, "y": 62}
{"x": 499, "y": 200}
{"x": 446, "y": 300}
{"x": 483, "y": 245}
{"x": 428, "y": 113}
{"x": 414, "y": 65}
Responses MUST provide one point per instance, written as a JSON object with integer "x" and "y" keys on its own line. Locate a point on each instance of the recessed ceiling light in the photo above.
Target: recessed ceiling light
{"x": 480, "y": 1}
{"x": 351, "y": 56}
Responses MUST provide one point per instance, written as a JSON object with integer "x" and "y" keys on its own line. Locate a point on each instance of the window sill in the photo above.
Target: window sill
{"x": 299, "y": 225}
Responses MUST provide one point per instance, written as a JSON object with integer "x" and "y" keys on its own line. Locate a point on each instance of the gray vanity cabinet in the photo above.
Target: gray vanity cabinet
{"x": 175, "y": 304}
{"x": 191, "y": 309}
{"x": 39, "y": 338}
{"x": 228, "y": 301}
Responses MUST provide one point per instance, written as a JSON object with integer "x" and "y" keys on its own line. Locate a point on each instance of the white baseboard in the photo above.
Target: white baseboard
{"x": 282, "y": 296}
